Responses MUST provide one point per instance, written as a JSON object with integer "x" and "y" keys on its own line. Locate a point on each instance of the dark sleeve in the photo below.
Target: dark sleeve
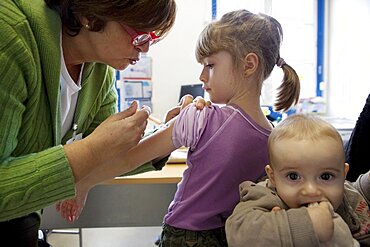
{"x": 357, "y": 148}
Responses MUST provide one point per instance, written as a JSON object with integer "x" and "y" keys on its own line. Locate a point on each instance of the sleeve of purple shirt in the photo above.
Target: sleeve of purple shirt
{"x": 189, "y": 126}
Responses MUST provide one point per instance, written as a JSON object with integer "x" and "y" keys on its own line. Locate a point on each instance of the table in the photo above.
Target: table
{"x": 138, "y": 200}
{"x": 170, "y": 174}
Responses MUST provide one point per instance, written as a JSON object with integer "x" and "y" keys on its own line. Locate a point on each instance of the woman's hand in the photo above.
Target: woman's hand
{"x": 200, "y": 103}
{"x": 108, "y": 143}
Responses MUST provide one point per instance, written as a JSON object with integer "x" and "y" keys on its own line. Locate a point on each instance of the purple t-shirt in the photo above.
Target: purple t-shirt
{"x": 226, "y": 147}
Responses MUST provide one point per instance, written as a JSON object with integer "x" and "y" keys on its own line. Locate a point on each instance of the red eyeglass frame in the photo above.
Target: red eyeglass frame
{"x": 150, "y": 37}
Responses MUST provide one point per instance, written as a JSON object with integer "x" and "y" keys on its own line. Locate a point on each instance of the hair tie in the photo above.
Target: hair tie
{"x": 280, "y": 62}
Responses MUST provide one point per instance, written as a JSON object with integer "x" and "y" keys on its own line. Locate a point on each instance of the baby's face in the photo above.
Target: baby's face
{"x": 306, "y": 171}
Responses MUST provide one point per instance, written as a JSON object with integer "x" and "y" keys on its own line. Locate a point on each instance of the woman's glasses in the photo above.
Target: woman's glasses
{"x": 141, "y": 38}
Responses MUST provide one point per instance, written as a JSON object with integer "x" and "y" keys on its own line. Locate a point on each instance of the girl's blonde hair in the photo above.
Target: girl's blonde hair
{"x": 242, "y": 32}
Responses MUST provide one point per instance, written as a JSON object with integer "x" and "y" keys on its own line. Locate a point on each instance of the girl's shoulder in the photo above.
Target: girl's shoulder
{"x": 192, "y": 123}
{"x": 209, "y": 112}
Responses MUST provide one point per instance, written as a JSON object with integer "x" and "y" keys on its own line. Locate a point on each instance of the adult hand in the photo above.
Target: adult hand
{"x": 174, "y": 111}
{"x": 118, "y": 134}
{"x": 200, "y": 102}
{"x": 321, "y": 215}
{"x": 108, "y": 143}
{"x": 187, "y": 99}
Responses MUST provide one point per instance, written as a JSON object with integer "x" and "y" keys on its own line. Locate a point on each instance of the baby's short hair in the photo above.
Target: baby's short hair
{"x": 303, "y": 127}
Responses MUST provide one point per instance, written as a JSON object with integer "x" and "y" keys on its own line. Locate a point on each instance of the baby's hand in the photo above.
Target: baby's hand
{"x": 321, "y": 215}
{"x": 275, "y": 209}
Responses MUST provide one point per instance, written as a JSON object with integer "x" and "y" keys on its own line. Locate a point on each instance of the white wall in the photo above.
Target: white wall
{"x": 174, "y": 60}
{"x": 348, "y": 67}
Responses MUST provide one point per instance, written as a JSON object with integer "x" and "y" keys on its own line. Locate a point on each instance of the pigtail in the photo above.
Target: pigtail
{"x": 288, "y": 91}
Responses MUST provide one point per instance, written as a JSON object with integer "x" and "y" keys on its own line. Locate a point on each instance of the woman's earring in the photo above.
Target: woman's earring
{"x": 87, "y": 26}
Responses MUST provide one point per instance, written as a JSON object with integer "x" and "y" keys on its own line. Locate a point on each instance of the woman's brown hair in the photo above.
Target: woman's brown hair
{"x": 142, "y": 15}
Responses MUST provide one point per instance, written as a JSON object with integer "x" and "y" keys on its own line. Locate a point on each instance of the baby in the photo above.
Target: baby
{"x": 300, "y": 203}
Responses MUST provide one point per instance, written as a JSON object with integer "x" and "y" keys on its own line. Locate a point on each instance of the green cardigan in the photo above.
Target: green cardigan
{"x": 34, "y": 170}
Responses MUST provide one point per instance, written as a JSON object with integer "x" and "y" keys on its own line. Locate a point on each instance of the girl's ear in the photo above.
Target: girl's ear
{"x": 251, "y": 63}
{"x": 270, "y": 174}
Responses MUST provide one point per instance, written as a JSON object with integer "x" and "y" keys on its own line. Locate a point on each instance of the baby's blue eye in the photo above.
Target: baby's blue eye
{"x": 293, "y": 176}
{"x": 210, "y": 66}
{"x": 326, "y": 176}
